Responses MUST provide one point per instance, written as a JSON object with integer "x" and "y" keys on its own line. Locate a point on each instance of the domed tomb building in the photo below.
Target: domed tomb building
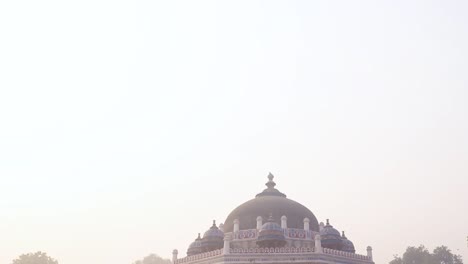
{"x": 271, "y": 228}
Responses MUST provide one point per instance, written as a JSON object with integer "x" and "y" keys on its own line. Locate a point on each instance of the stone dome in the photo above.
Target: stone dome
{"x": 271, "y": 235}
{"x": 270, "y": 201}
{"x": 346, "y": 244}
{"x": 331, "y": 237}
{"x": 195, "y": 247}
{"x": 212, "y": 239}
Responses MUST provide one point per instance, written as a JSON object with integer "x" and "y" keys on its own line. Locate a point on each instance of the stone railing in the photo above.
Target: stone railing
{"x": 294, "y": 233}
{"x": 291, "y": 233}
{"x": 245, "y": 234}
{"x": 344, "y": 254}
{"x": 213, "y": 256}
{"x": 292, "y": 250}
{"x": 205, "y": 255}
{"x": 287, "y": 250}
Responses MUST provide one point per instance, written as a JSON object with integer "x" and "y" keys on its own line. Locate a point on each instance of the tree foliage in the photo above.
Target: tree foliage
{"x": 420, "y": 255}
{"x": 153, "y": 259}
{"x": 35, "y": 258}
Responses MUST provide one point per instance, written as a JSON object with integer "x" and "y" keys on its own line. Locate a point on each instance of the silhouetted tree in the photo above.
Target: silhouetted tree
{"x": 396, "y": 260}
{"x": 420, "y": 255}
{"x": 153, "y": 259}
{"x": 443, "y": 255}
{"x": 35, "y": 258}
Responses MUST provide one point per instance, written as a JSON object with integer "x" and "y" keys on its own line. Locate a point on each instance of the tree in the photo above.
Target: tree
{"x": 417, "y": 255}
{"x": 443, "y": 255}
{"x": 420, "y": 255}
{"x": 396, "y": 260}
{"x": 153, "y": 259}
{"x": 35, "y": 258}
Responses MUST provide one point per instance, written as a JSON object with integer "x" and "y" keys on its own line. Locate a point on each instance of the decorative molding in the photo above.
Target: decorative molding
{"x": 286, "y": 250}
{"x": 298, "y": 254}
{"x": 201, "y": 256}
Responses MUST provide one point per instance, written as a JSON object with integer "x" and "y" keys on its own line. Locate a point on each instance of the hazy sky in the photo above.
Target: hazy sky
{"x": 126, "y": 127}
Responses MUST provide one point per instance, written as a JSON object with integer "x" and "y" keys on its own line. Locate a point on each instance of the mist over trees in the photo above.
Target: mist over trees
{"x": 35, "y": 258}
{"x": 153, "y": 259}
{"x": 421, "y": 255}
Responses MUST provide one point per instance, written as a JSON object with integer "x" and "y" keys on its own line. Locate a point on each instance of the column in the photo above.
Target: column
{"x": 236, "y": 225}
{"x": 227, "y": 244}
{"x": 174, "y": 255}
{"x": 369, "y": 252}
{"x": 318, "y": 244}
{"x": 306, "y": 223}
{"x": 259, "y": 222}
{"x": 284, "y": 222}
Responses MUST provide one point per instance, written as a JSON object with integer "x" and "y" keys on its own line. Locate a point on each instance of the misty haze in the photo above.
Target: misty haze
{"x": 233, "y": 132}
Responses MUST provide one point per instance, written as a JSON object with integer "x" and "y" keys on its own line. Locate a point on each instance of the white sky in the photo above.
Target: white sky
{"x": 127, "y": 126}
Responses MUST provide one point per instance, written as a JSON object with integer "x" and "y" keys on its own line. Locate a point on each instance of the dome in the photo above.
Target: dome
{"x": 195, "y": 247}
{"x": 346, "y": 245}
{"x": 270, "y": 201}
{"x": 271, "y": 235}
{"x": 212, "y": 239}
{"x": 330, "y": 237}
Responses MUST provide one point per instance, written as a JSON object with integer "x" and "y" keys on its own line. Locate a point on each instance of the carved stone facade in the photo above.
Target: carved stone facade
{"x": 295, "y": 238}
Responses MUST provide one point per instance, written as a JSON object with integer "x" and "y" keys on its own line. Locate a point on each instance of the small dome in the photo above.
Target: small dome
{"x": 271, "y": 235}
{"x": 346, "y": 245}
{"x": 330, "y": 237}
{"x": 212, "y": 239}
{"x": 195, "y": 247}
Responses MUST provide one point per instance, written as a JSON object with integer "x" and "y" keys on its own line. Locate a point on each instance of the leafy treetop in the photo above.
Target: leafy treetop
{"x": 420, "y": 255}
{"x": 35, "y": 258}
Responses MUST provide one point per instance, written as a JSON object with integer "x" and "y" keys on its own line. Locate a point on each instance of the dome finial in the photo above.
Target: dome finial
{"x": 214, "y": 222}
{"x": 328, "y": 221}
{"x": 270, "y": 176}
{"x": 270, "y": 184}
{"x": 271, "y": 191}
{"x": 342, "y": 234}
